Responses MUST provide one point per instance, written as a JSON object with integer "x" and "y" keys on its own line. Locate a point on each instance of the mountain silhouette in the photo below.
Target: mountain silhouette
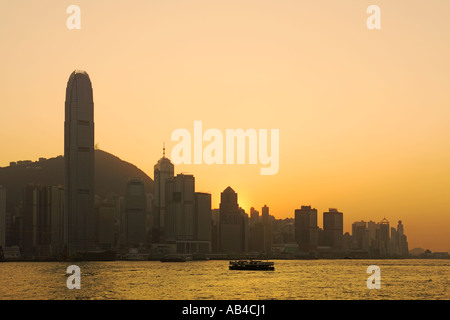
{"x": 111, "y": 176}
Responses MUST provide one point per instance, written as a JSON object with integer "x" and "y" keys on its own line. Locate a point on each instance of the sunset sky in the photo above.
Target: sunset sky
{"x": 364, "y": 115}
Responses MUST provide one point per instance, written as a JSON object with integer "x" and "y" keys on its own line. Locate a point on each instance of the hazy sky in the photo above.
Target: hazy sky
{"x": 363, "y": 114}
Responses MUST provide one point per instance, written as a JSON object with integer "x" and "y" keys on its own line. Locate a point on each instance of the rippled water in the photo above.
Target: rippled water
{"x": 211, "y": 280}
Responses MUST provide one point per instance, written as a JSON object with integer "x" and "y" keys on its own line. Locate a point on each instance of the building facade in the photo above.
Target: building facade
{"x": 79, "y": 162}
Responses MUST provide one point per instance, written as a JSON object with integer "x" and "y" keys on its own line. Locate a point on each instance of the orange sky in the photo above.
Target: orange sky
{"x": 363, "y": 114}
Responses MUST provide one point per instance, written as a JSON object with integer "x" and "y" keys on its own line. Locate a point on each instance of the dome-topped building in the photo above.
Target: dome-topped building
{"x": 163, "y": 170}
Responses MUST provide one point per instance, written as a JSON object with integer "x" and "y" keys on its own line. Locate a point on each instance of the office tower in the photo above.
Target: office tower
{"x": 254, "y": 216}
{"x": 399, "y": 243}
{"x": 383, "y": 238}
{"x": 79, "y": 161}
{"x": 2, "y": 217}
{"x": 180, "y": 208}
{"x": 306, "y": 229}
{"x": 58, "y": 221}
{"x": 43, "y": 221}
{"x": 163, "y": 170}
{"x": 105, "y": 225}
{"x": 265, "y": 214}
{"x": 333, "y": 229}
{"x": 203, "y": 216}
{"x": 403, "y": 240}
{"x": 359, "y": 235}
{"x": 135, "y": 212}
{"x": 232, "y": 237}
{"x": 265, "y": 218}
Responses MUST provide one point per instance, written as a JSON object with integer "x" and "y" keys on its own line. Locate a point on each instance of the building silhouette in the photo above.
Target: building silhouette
{"x": 203, "y": 218}
{"x": 383, "y": 240}
{"x": 43, "y": 233}
{"x": 105, "y": 225}
{"x": 254, "y": 216}
{"x": 233, "y": 227}
{"x": 79, "y": 162}
{"x": 163, "y": 171}
{"x": 2, "y": 217}
{"x": 261, "y": 231}
{"x": 188, "y": 216}
{"x": 135, "y": 213}
{"x": 180, "y": 208}
{"x": 333, "y": 229}
{"x": 306, "y": 229}
{"x": 399, "y": 242}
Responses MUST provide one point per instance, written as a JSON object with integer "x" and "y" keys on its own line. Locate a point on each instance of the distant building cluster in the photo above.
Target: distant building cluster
{"x": 57, "y": 222}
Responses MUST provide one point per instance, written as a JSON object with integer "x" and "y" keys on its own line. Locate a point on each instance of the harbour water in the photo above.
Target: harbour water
{"x": 211, "y": 280}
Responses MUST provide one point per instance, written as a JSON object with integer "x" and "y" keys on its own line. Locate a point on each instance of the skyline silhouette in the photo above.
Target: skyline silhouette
{"x": 362, "y": 114}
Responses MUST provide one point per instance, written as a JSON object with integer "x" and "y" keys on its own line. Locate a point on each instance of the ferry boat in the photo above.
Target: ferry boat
{"x": 251, "y": 265}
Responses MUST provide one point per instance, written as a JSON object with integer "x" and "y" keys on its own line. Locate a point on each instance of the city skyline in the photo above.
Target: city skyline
{"x": 362, "y": 125}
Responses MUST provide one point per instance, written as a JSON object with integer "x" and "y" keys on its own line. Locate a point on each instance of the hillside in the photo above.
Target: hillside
{"x": 111, "y": 176}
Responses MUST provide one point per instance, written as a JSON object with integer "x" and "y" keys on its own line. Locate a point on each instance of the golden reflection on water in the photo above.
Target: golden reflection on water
{"x": 211, "y": 280}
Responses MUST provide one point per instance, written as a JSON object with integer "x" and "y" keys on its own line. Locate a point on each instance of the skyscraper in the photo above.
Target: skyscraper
{"x": 232, "y": 235}
{"x": 306, "y": 229}
{"x": 2, "y": 216}
{"x": 43, "y": 220}
{"x": 203, "y": 216}
{"x": 383, "y": 238}
{"x": 333, "y": 229}
{"x": 180, "y": 208}
{"x": 79, "y": 161}
{"x": 135, "y": 211}
{"x": 163, "y": 171}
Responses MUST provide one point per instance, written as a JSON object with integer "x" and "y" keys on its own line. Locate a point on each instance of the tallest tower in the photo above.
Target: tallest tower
{"x": 79, "y": 162}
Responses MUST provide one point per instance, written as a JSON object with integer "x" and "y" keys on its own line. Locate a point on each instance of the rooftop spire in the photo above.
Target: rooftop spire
{"x": 164, "y": 149}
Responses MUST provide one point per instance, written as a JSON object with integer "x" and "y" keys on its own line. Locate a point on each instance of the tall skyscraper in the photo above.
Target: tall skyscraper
{"x": 333, "y": 229}
{"x": 254, "y": 216}
{"x": 265, "y": 214}
{"x": 203, "y": 218}
{"x": 2, "y": 217}
{"x": 79, "y": 161}
{"x": 163, "y": 171}
{"x": 306, "y": 229}
{"x": 399, "y": 243}
{"x": 180, "y": 208}
{"x": 383, "y": 238}
{"x": 135, "y": 211}
{"x": 232, "y": 235}
{"x": 43, "y": 221}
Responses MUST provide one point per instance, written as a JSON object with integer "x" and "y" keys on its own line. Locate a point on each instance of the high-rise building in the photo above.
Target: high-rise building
{"x": 79, "y": 161}
{"x": 163, "y": 171}
{"x": 135, "y": 213}
{"x": 306, "y": 229}
{"x": 254, "y": 216}
{"x": 399, "y": 243}
{"x": 203, "y": 218}
{"x": 383, "y": 238}
{"x": 360, "y": 236}
{"x": 104, "y": 225}
{"x": 265, "y": 214}
{"x": 268, "y": 234}
{"x": 403, "y": 240}
{"x": 232, "y": 228}
{"x": 333, "y": 229}
{"x": 180, "y": 208}
{"x": 43, "y": 221}
{"x": 2, "y": 216}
